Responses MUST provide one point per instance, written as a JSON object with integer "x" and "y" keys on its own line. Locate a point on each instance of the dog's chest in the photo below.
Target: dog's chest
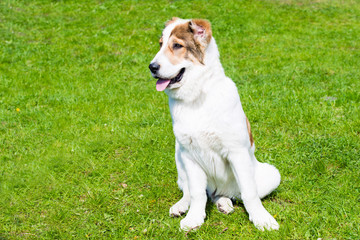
{"x": 197, "y": 139}
{"x": 196, "y": 131}
{"x": 199, "y": 136}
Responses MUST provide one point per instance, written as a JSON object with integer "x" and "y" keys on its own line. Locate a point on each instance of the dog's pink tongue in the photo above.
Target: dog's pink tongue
{"x": 162, "y": 84}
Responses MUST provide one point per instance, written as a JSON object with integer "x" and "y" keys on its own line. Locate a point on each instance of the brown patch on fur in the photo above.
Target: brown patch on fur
{"x": 249, "y": 131}
{"x": 184, "y": 34}
{"x": 161, "y": 41}
{"x": 171, "y": 21}
{"x": 194, "y": 36}
{"x": 174, "y": 55}
{"x": 206, "y": 25}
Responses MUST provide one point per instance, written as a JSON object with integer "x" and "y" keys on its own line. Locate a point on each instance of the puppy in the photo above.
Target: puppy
{"x": 214, "y": 149}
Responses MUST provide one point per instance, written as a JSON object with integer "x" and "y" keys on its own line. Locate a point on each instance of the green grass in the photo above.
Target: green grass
{"x": 86, "y": 142}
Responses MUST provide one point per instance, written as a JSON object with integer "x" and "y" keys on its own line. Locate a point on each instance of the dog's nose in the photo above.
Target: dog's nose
{"x": 154, "y": 67}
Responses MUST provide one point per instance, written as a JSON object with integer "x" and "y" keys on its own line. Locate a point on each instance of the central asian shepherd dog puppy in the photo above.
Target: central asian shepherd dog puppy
{"x": 214, "y": 149}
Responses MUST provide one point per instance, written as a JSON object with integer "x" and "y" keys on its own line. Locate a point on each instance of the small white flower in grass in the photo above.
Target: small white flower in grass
{"x": 329, "y": 98}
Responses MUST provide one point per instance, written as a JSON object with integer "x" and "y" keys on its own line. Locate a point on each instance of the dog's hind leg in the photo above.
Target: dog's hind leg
{"x": 243, "y": 168}
{"x": 183, "y": 204}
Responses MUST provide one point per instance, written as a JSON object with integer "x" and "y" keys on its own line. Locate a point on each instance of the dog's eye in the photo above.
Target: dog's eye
{"x": 160, "y": 43}
{"x": 177, "y": 46}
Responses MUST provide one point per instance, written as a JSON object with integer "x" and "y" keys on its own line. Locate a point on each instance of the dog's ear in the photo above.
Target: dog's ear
{"x": 202, "y": 30}
{"x": 171, "y": 21}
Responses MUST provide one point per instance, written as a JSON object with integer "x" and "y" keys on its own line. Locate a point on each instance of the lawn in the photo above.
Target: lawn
{"x": 86, "y": 142}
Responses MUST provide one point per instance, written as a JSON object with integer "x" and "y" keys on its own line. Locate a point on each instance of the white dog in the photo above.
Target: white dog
{"x": 214, "y": 146}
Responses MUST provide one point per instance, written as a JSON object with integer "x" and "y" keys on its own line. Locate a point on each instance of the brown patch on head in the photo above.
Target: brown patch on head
{"x": 175, "y": 50}
{"x": 249, "y": 131}
{"x": 183, "y": 34}
{"x": 193, "y": 37}
{"x": 202, "y": 30}
{"x": 161, "y": 41}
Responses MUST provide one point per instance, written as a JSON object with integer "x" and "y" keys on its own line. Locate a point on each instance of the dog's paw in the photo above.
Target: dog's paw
{"x": 225, "y": 205}
{"x": 191, "y": 223}
{"x": 264, "y": 221}
{"x": 179, "y": 208}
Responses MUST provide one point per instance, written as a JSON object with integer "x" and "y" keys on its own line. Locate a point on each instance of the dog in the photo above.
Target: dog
{"x": 214, "y": 148}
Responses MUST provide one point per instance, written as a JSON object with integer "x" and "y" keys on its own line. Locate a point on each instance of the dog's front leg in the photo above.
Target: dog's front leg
{"x": 183, "y": 204}
{"x": 244, "y": 171}
{"x": 197, "y": 188}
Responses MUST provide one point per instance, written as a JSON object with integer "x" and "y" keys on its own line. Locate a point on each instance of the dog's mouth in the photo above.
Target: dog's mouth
{"x": 162, "y": 83}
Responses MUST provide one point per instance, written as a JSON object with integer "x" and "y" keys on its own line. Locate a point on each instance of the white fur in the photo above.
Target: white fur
{"x": 213, "y": 152}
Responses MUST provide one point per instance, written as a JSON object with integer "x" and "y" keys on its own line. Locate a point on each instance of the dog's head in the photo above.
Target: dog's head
{"x": 182, "y": 46}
